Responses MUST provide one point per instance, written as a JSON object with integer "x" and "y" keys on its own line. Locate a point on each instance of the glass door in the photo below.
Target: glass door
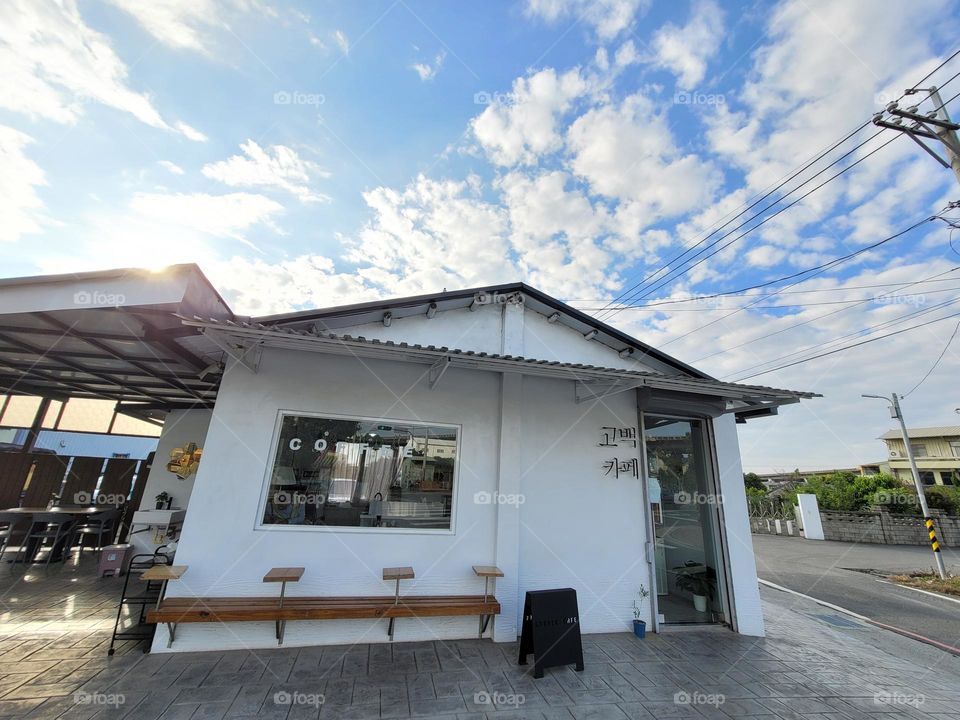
{"x": 686, "y": 521}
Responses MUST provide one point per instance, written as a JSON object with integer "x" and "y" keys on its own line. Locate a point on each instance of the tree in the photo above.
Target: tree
{"x": 752, "y": 481}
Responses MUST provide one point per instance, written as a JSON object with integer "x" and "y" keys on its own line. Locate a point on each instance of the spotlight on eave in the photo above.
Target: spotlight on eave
{"x": 387, "y": 319}
{"x": 590, "y": 335}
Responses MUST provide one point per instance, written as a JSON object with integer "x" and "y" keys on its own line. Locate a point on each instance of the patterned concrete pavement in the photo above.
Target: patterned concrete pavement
{"x": 813, "y": 665}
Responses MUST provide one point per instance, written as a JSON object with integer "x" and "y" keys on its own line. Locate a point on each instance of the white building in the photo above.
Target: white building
{"x": 492, "y": 426}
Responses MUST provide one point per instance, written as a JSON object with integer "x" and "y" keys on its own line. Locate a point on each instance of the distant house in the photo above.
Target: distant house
{"x": 936, "y": 450}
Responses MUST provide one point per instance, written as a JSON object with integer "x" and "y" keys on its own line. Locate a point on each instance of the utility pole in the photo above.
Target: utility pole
{"x": 932, "y": 125}
{"x": 895, "y": 412}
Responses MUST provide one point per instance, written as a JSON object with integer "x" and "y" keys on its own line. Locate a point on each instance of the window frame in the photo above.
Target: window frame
{"x": 265, "y": 482}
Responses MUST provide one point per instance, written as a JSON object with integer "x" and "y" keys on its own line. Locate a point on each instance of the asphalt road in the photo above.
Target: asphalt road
{"x": 829, "y": 571}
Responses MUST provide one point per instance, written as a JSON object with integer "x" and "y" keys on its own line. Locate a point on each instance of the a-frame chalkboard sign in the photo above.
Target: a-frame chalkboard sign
{"x": 551, "y": 630}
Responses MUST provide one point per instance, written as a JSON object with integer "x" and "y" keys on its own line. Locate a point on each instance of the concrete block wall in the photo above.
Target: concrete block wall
{"x": 888, "y": 529}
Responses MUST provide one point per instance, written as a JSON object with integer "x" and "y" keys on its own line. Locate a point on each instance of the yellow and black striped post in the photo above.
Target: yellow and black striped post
{"x": 934, "y": 543}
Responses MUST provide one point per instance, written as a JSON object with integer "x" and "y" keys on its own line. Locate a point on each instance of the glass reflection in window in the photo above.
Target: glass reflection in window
{"x": 338, "y": 472}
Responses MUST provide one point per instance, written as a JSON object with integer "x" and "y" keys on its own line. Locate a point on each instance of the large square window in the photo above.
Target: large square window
{"x": 346, "y": 472}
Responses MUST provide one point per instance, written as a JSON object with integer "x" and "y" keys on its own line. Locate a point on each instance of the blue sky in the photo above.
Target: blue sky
{"x": 307, "y": 154}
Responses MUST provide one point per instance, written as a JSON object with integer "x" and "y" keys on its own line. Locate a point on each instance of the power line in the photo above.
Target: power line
{"x": 819, "y": 156}
{"x": 812, "y": 320}
{"x": 634, "y": 291}
{"x": 816, "y": 270}
{"x": 701, "y": 298}
{"x": 756, "y": 202}
{"x": 847, "y": 347}
{"x": 789, "y": 306}
{"x": 934, "y": 366}
{"x": 847, "y": 336}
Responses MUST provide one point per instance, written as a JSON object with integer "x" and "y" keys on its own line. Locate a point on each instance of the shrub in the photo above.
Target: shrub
{"x": 846, "y": 491}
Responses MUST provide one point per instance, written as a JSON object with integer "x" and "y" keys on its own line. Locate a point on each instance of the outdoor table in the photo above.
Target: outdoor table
{"x": 34, "y": 546}
{"x": 165, "y": 573}
{"x": 283, "y": 575}
{"x": 486, "y": 572}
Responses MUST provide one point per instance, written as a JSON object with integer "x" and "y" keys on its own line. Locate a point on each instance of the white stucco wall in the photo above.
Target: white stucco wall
{"x": 579, "y": 527}
{"x": 743, "y": 568}
{"x": 179, "y": 428}
{"x": 227, "y": 556}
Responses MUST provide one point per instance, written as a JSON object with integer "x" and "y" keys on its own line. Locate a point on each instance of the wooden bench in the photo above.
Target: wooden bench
{"x": 172, "y": 611}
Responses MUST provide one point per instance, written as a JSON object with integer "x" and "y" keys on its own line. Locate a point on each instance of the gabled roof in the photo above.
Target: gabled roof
{"x": 924, "y": 432}
{"x": 342, "y": 316}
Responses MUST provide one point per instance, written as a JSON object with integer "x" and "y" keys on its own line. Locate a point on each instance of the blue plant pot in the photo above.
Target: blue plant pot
{"x": 640, "y": 629}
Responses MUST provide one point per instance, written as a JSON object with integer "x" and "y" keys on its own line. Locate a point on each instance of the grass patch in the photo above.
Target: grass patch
{"x": 929, "y": 581}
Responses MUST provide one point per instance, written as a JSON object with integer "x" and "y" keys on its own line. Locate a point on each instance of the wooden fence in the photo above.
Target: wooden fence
{"x": 37, "y": 479}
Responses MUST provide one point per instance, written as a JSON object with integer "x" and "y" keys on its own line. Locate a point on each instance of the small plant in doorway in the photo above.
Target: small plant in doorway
{"x": 640, "y": 625}
{"x": 163, "y": 500}
{"x": 700, "y": 585}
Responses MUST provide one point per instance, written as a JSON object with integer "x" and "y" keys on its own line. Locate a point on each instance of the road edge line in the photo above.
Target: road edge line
{"x": 883, "y": 626}
{"x": 942, "y": 596}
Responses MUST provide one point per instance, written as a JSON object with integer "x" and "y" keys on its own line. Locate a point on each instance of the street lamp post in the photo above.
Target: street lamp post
{"x": 895, "y": 412}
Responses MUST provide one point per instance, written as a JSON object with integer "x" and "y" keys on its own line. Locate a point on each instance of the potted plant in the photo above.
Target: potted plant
{"x": 163, "y": 500}
{"x": 700, "y": 585}
{"x": 639, "y": 625}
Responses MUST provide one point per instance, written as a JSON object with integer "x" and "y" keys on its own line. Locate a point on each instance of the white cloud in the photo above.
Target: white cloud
{"x": 340, "y": 38}
{"x": 608, "y": 18}
{"x": 191, "y": 133}
{"x": 276, "y": 167}
{"x": 428, "y": 71}
{"x": 188, "y": 24}
{"x": 525, "y": 127}
{"x": 20, "y": 206}
{"x": 627, "y": 152}
{"x": 212, "y": 215}
{"x": 258, "y": 287}
{"x": 686, "y": 50}
{"x": 171, "y": 167}
{"x": 53, "y": 63}
{"x": 765, "y": 256}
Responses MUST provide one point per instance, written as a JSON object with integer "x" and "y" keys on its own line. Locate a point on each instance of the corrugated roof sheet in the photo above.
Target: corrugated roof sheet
{"x": 249, "y": 325}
